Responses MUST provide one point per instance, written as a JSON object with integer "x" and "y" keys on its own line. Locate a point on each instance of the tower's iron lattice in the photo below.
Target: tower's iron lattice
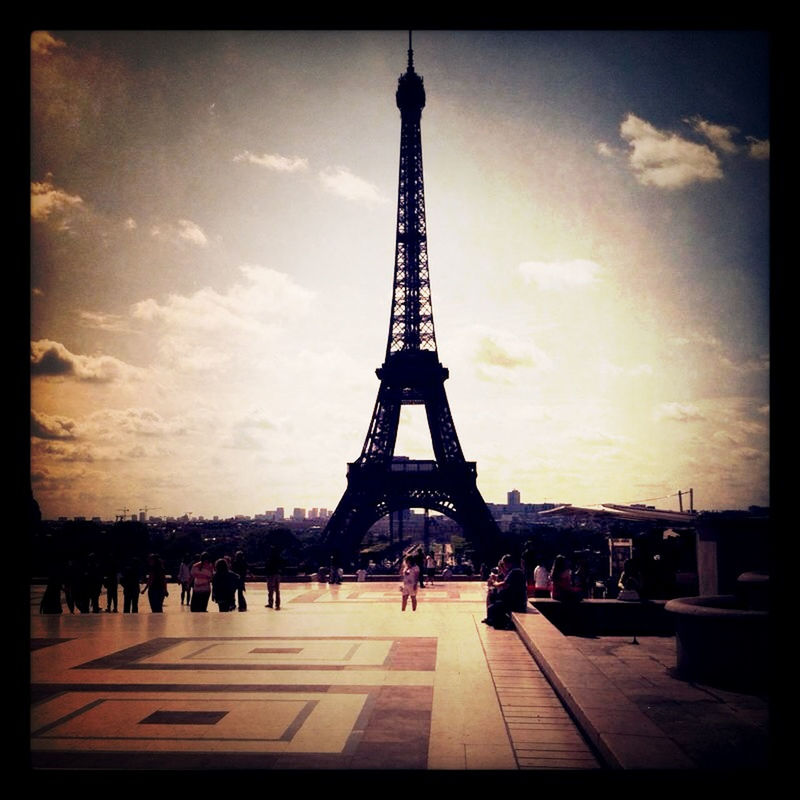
{"x": 411, "y": 374}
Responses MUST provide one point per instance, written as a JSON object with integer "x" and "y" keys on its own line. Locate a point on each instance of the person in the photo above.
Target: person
{"x": 70, "y": 577}
{"x": 156, "y": 584}
{"x": 111, "y": 582}
{"x": 630, "y": 582}
{"x": 410, "y": 582}
{"x": 273, "y": 568}
{"x": 335, "y": 575}
{"x": 81, "y": 588}
{"x": 51, "y": 599}
{"x": 541, "y": 581}
{"x": 224, "y": 585}
{"x": 561, "y": 587}
{"x": 130, "y": 587}
{"x": 239, "y": 567}
{"x": 94, "y": 576}
{"x": 185, "y": 579}
{"x": 430, "y": 567}
{"x": 510, "y": 595}
{"x": 202, "y": 572}
{"x": 418, "y": 559}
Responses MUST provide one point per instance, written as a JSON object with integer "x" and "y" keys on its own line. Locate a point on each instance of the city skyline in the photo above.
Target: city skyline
{"x": 212, "y": 232}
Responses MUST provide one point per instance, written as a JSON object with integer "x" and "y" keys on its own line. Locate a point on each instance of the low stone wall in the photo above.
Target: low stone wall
{"x": 607, "y": 617}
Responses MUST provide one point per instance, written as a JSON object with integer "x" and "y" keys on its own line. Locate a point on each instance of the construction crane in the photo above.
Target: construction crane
{"x": 121, "y": 515}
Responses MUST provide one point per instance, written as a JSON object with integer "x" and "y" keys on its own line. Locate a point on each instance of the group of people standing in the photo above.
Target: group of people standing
{"x": 221, "y": 582}
{"x": 201, "y": 580}
{"x": 83, "y": 580}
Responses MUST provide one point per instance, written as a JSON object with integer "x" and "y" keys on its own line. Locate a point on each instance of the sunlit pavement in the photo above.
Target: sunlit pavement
{"x": 339, "y": 678}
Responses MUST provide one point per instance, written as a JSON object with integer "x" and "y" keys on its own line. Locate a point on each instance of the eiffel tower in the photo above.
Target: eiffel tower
{"x": 379, "y": 483}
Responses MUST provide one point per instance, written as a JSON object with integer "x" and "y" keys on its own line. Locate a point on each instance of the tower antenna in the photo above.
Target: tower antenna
{"x": 410, "y": 54}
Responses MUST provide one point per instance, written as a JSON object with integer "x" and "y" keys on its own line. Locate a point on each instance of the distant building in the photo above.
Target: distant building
{"x": 299, "y": 514}
{"x": 514, "y": 497}
{"x": 279, "y": 514}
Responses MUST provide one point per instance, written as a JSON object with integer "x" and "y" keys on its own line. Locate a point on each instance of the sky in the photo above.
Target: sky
{"x": 212, "y": 242}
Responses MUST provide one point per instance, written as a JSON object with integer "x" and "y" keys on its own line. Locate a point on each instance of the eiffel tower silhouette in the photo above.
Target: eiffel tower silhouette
{"x": 379, "y": 483}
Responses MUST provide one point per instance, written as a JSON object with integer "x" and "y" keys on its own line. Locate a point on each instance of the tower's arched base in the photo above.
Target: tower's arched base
{"x": 374, "y": 491}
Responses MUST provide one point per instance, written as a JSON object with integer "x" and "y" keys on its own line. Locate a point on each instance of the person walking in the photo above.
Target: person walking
{"x": 273, "y": 567}
{"x": 410, "y": 583}
{"x": 185, "y": 579}
{"x": 430, "y": 567}
{"x": 156, "y": 584}
{"x": 202, "y": 572}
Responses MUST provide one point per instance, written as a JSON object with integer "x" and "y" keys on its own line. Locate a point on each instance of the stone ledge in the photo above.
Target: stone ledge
{"x": 624, "y": 736}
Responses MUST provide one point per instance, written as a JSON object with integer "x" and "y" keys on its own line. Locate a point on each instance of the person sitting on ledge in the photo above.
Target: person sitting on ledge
{"x": 561, "y": 587}
{"x": 630, "y": 582}
{"x": 510, "y": 594}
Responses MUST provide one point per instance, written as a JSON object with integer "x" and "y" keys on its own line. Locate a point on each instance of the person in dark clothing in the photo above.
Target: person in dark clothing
{"x": 224, "y": 585}
{"x": 156, "y": 586}
{"x": 130, "y": 587}
{"x": 51, "y": 599}
{"x": 239, "y": 566}
{"x": 94, "y": 574}
{"x": 273, "y": 567}
{"x": 510, "y": 595}
{"x": 111, "y": 582}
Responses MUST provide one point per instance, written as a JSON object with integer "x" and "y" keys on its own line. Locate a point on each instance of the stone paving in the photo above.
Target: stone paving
{"x": 341, "y": 679}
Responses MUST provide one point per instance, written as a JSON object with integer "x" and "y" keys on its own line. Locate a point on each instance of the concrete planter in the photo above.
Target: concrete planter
{"x": 719, "y": 642}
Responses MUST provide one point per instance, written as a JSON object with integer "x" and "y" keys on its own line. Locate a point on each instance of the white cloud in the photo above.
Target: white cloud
{"x": 43, "y": 42}
{"x": 341, "y": 181}
{"x": 224, "y": 331}
{"x": 111, "y": 424}
{"x": 678, "y": 412}
{"x": 606, "y": 150}
{"x": 751, "y": 365}
{"x": 184, "y": 231}
{"x": 274, "y": 161}
{"x": 757, "y": 148}
{"x": 130, "y": 224}
{"x": 721, "y": 136}
{"x": 560, "y": 275}
{"x": 45, "y": 426}
{"x": 635, "y": 371}
{"x": 693, "y": 337}
{"x": 51, "y": 359}
{"x": 665, "y": 159}
{"x": 47, "y": 200}
{"x": 102, "y": 321}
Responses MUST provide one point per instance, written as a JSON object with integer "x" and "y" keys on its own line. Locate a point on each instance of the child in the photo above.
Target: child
{"x": 410, "y": 583}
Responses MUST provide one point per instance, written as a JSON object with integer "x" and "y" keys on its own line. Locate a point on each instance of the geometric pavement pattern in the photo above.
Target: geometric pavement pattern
{"x": 279, "y": 701}
{"x": 260, "y": 726}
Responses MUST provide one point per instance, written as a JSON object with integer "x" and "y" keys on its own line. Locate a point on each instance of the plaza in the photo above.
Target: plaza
{"x": 341, "y": 679}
